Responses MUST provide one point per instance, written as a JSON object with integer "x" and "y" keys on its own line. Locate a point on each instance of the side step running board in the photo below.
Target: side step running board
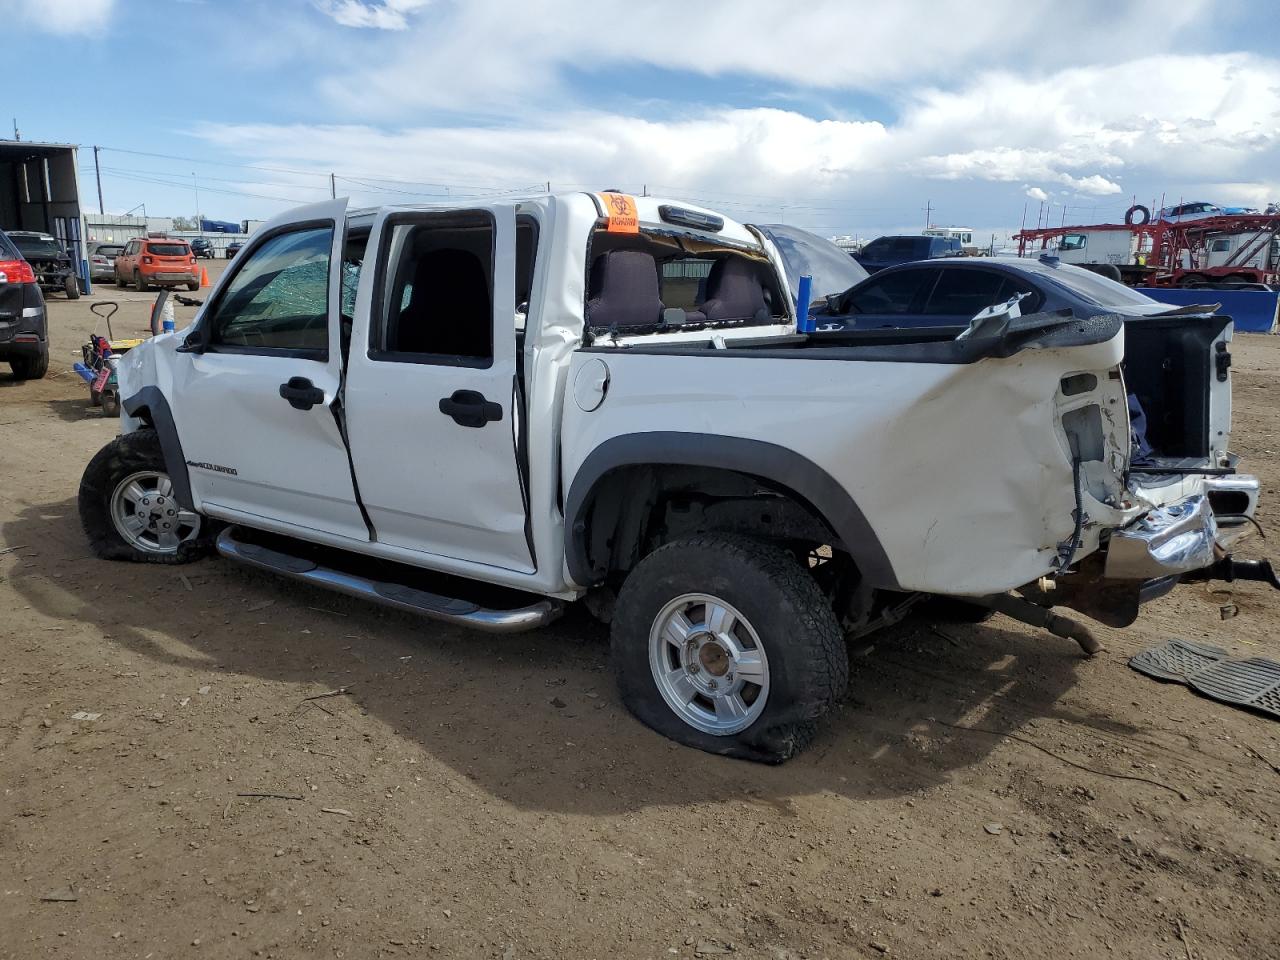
{"x": 449, "y": 609}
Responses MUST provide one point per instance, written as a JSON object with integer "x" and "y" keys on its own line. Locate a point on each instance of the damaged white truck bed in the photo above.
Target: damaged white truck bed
{"x": 480, "y": 412}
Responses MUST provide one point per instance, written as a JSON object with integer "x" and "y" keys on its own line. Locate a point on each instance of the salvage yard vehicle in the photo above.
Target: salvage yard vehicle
{"x": 157, "y": 262}
{"x": 889, "y": 251}
{"x": 53, "y": 267}
{"x": 480, "y": 412}
{"x": 24, "y": 333}
{"x": 102, "y": 260}
{"x": 942, "y": 293}
{"x": 202, "y": 247}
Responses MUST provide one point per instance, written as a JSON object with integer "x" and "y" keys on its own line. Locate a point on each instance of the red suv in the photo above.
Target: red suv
{"x": 157, "y": 261}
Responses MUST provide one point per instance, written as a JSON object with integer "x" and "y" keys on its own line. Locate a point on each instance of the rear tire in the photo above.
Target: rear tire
{"x": 781, "y": 633}
{"x": 193, "y": 287}
{"x": 1193, "y": 279}
{"x": 138, "y": 283}
{"x": 135, "y": 459}
{"x": 31, "y": 367}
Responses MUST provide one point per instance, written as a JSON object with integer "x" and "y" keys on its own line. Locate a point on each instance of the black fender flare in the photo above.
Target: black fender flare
{"x": 156, "y": 406}
{"x": 769, "y": 462}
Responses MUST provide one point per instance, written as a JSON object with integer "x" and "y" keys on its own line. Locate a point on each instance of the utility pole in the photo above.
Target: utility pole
{"x": 98, "y": 175}
{"x": 197, "y": 189}
{"x": 333, "y": 188}
{"x": 928, "y": 213}
{"x": 16, "y": 134}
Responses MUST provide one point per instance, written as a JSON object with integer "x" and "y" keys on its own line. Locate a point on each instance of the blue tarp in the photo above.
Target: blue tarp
{"x": 218, "y": 226}
{"x": 1254, "y": 311}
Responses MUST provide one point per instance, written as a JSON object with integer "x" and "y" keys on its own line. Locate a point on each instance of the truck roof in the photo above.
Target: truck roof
{"x": 649, "y": 211}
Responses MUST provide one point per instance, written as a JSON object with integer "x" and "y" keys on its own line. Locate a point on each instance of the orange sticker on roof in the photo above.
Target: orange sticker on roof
{"x": 620, "y": 209}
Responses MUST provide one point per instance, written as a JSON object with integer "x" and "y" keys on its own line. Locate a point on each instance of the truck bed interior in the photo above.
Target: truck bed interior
{"x": 1171, "y": 366}
{"x": 1171, "y": 363}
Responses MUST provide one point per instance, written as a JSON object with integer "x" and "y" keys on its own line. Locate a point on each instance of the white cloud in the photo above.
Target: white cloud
{"x": 1058, "y": 130}
{"x": 977, "y": 113}
{"x": 57, "y": 16}
{"x": 384, "y": 15}
{"x": 486, "y": 52}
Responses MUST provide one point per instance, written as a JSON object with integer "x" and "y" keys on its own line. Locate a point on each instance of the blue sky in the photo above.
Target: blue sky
{"x": 844, "y": 117}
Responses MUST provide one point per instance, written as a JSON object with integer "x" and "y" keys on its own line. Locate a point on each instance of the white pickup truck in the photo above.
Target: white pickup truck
{"x": 481, "y": 413}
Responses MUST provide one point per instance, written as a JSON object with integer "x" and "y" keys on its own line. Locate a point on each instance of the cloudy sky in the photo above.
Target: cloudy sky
{"x": 843, "y": 117}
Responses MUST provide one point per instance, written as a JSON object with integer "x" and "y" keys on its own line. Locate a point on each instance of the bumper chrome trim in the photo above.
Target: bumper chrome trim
{"x": 1169, "y": 540}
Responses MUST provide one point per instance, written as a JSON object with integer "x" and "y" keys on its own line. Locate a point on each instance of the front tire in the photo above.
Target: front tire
{"x": 127, "y": 507}
{"x": 72, "y": 287}
{"x": 728, "y": 645}
{"x": 120, "y": 283}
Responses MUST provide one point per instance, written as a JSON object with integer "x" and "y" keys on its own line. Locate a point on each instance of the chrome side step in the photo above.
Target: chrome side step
{"x": 449, "y": 609}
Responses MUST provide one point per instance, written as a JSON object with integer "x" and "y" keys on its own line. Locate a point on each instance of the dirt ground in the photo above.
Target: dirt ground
{"x": 471, "y": 796}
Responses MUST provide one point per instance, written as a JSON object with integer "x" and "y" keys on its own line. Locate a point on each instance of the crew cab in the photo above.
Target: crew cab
{"x": 482, "y": 412}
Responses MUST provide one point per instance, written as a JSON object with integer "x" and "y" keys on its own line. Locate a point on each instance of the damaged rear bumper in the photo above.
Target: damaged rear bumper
{"x": 1188, "y": 540}
{"x": 1167, "y": 541}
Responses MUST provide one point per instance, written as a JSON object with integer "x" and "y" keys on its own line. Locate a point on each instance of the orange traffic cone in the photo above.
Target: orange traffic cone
{"x": 204, "y": 276}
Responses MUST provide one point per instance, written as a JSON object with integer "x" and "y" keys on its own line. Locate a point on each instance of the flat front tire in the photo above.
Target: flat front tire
{"x": 128, "y": 510}
{"x": 728, "y": 645}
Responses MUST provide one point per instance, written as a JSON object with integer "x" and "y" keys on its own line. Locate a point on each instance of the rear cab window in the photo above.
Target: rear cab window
{"x": 665, "y": 281}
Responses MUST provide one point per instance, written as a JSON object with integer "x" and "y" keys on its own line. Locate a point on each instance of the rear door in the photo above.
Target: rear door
{"x": 432, "y": 400}
{"x": 256, "y": 410}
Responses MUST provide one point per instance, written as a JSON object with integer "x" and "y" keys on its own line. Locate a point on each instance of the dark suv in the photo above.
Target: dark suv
{"x": 202, "y": 247}
{"x": 891, "y": 251}
{"x": 24, "y": 336}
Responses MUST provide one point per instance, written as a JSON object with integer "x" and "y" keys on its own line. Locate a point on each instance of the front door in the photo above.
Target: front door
{"x": 255, "y": 410}
{"x": 432, "y": 399}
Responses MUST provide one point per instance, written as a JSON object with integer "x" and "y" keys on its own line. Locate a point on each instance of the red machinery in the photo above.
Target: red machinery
{"x": 1231, "y": 248}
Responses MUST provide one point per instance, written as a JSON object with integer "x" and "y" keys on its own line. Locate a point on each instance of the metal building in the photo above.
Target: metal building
{"x": 40, "y": 190}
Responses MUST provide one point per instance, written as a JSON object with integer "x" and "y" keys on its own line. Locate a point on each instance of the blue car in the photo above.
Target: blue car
{"x": 949, "y": 293}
